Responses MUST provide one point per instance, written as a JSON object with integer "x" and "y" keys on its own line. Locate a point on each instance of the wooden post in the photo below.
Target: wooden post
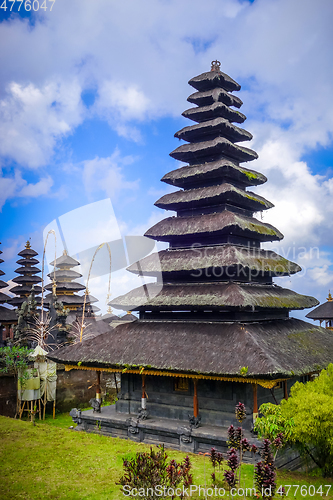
{"x": 143, "y": 394}
{"x": 285, "y": 387}
{"x": 98, "y": 386}
{"x": 115, "y": 381}
{"x": 44, "y": 408}
{"x": 255, "y": 402}
{"x": 54, "y": 403}
{"x": 195, "y": 398}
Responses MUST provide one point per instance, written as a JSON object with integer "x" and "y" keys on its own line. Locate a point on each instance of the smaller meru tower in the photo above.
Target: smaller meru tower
{"x": 27, "y": 278}
{"x": 219, "y": 331}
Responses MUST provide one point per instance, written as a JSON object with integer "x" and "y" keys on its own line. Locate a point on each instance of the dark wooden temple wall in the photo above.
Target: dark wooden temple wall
{"x": 217, "y": 399}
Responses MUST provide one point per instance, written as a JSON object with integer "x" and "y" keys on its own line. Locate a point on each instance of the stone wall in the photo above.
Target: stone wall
{"x": 74, "y": 389}
{"x": 7, "y": 395}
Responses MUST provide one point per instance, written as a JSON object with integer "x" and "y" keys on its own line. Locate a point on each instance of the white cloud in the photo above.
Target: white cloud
{"x": 126, "y": 100}
{"x": 106, "y": 175}
{"x": 33, "y": 118}
{"x": 15, "y": 186}
{"x": 41, "y": 187}
{"x": 138, "y": 57}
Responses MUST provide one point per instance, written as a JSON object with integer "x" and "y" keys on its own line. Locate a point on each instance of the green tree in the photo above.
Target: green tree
{"x": 305, "y": 420}
{"x": 15, "y": 360}
{"x": 311, "y": 408}
{"x": 274, "y": 422}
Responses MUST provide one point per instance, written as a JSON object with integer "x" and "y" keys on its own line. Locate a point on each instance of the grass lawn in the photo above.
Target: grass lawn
{"x": 50, "y": 461}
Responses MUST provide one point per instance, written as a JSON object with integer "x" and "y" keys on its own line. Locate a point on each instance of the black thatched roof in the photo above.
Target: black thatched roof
{"x": 27, "y": 270}
{"x": 219, "y": 296}
{"x": 203, "y": 113}
{"x": 214, "y": 257}
{"x": 64, "y": 274}
{"x": 221, "y": 223}
{"x": 24, "y": 289}
{"x": 4, "y": 297}
{"x": 214, "y": 79}
{"x": 218, "y": 170}
{"x": 64, "y": 285}
{"x": 7, "y": 315}
{"x": 27, "y": 252}
{"x": 271, "y": 348}
{"x": 324, "y": 311}
{"x": 213, "y": 127}
{"x": 93, "y": 326}
{"x": 18, "y": 301}
{"x": 26, "y": 279}
{"x": 27, "y": 262}
{"x": 213, "y": 195}
{"x": 67, "y": 300}
{"x": 214, "y": 95}
{"x": 65, "y": 261}
{"x": 192, "y": 152}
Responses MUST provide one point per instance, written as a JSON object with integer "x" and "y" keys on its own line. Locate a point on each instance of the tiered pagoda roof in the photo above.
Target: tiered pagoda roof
{"x": 66, "y": 286}
{"x": 6, "y": 315}
{"x": 218, "y": 310}
{"x": 324, "y": 312}
{"x": 27, "y": 277}
{"x": 3, "y": 297}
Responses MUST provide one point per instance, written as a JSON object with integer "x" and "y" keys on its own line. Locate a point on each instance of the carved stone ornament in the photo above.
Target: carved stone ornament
{"x": 194, "y": 421}
{"x": 76, "y": 415}
{"x": 96, "y": 404}
{"x": 185, "y": 434}
{"x": 132, "y": 426}
{"x": 143, "y": 414}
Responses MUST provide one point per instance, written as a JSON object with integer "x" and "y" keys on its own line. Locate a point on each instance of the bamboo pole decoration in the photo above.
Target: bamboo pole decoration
{"x": 86, "y": 292}
{"x": 255, "y": 402}
{"x": 195, "y": 398}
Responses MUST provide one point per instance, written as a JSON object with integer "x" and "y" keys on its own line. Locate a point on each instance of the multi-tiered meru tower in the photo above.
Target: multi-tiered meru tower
{"x": 27, "y": 278}
{"x": 8, "y": 317}
{"x": 219, "y": 332}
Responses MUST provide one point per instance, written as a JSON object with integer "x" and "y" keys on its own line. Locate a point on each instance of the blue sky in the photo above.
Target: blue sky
{"x": 91, "y": 94}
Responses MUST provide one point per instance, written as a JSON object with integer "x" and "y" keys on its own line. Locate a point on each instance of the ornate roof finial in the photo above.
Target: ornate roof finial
{"x": 216, "y": 65}
{"x": 329, "y": 298}
{"x": 27, "y": 245}
{"x": 109, "y": 311}
{"x": 65, "y": 252}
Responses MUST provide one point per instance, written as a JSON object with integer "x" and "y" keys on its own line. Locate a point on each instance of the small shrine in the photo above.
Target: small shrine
{"x": 323, "y": 313}
{"x": 37, "y": 386}
{"x": 219, "y": 331}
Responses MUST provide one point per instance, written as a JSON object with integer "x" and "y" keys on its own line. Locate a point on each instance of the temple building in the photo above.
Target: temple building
{"x": 64, "y": 278}
{"x": 323, "y": 313}
{"x": 27, "y": 278}
{"x": 219, "y": 331}
{"x": 8, "y": 317}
